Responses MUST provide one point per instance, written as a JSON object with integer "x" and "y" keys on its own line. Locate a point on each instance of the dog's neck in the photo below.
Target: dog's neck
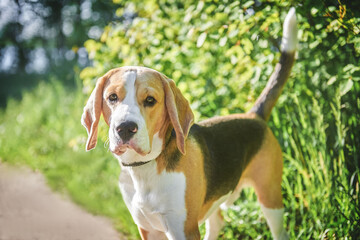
{"x": 164, "y": 155}
{"x": 131, "y": 157}
{"x": 170, "y": 156}
{"x": 136, "y": 164}
{"x": 142, "y": 173}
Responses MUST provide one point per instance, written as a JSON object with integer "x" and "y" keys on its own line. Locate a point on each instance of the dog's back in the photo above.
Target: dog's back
{"x": 228, "y": 144}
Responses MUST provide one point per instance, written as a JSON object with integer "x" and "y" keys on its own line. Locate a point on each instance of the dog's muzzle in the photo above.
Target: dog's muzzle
{"x": 128, "y": 135}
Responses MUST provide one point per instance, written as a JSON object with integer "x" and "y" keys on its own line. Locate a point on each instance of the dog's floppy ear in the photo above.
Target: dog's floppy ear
{"x": 92, "y": 112}
{"x": 179, "y": 112}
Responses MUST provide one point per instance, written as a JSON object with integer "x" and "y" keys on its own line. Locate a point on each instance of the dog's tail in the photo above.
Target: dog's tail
{"x": 265, "y": 103}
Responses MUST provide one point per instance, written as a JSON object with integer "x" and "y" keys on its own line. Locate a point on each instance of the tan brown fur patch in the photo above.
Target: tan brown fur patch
{"x": 268, "y": 164}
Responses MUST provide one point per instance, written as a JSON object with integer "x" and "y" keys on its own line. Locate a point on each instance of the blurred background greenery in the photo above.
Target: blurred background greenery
{"x": 220, "y": 53}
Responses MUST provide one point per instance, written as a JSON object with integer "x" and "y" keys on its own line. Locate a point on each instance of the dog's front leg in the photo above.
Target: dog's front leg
{"x": 175, "y": 230}
{"x": 152, "y": 235}
{"x": 178, "y": 230}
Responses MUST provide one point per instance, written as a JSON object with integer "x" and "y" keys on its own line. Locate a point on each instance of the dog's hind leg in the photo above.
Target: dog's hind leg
{"x": 264, "y": 173}
{"x": 213, "y": 225}
{"x": 268, "y": 190}
{"x": 270, "y": 198}
{"x": 274, "y": 219}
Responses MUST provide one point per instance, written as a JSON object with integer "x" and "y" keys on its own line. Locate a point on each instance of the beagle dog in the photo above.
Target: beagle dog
{"x": 176, "y": 174}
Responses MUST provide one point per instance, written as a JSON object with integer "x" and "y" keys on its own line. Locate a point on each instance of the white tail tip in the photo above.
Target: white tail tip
{"x": 289, "y": 39}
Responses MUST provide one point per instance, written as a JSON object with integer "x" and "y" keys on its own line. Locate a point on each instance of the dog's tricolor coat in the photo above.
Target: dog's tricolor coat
{"x": 175, "y": 174}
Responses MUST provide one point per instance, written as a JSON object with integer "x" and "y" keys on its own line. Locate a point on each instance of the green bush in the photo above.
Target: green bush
{"x": 221, "y": 54}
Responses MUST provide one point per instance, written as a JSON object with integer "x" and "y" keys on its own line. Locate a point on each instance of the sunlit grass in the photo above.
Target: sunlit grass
{"x": 43, "y": 131}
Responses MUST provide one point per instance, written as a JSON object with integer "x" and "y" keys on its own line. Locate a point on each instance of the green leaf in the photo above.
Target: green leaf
{"x": 223, "y": 41}
{"x": 314, "y": 11}
{"x": 201, "y": 39}
{"x": 351, "y": 68}
{"x": 331, "y": 80}
{"x": 345, "y": 87}
{"x": 248, "y": 4}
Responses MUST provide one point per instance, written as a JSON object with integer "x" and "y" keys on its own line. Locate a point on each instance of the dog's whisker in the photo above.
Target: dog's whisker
{"x": 107, "y": 143}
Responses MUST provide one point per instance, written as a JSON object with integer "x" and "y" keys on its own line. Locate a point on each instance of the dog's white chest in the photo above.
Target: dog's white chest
{"x": 154, "y": 200}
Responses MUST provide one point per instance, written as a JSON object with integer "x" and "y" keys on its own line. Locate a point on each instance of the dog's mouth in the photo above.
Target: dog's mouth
{"x": 120, "y": 149}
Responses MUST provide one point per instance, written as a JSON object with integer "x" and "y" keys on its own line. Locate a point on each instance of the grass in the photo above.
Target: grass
{"x": 320, "y": 183}
{"x": 43, "y": 131}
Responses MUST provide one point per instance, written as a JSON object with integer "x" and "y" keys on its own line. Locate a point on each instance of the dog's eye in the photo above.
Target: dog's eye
{"x": 113, "y": 98}
{"x": 149, "y": 101}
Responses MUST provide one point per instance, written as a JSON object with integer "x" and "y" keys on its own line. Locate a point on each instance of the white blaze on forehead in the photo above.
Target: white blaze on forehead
{"x": 130, "y": 77}
{"x": 128, "y": 109}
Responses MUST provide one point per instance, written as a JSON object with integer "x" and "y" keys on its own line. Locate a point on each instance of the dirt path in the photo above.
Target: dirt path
{"x": 29, "y": 210}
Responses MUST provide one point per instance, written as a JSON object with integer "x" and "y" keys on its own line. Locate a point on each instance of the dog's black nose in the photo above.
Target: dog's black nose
{"x": 126, "y": 130}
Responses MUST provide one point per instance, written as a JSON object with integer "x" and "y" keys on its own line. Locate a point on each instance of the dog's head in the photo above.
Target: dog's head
{"x": 140, "y": 106}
